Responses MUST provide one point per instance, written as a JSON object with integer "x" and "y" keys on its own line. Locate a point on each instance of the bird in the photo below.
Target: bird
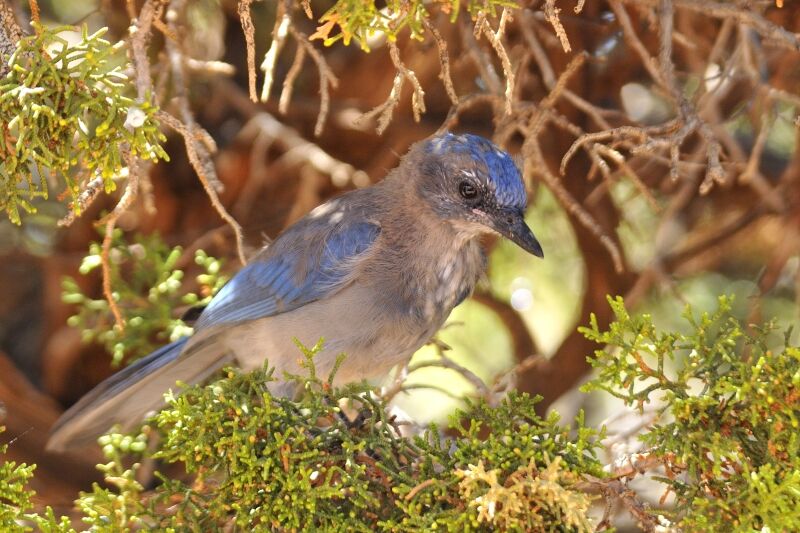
{"x": 374, "y": 272}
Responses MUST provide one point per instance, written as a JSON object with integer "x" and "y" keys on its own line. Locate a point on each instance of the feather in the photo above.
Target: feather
{"x": 301, "y": 274}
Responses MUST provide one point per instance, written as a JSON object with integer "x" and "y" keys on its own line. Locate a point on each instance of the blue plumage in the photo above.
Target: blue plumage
{"x": 285, "y": 282}
{"x": 501, "y": 172}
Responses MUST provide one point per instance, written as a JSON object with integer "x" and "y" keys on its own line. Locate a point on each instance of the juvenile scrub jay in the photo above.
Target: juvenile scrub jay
{"x": 375, "y": 272}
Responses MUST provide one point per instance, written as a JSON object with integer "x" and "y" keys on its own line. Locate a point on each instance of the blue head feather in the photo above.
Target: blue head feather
{"x": 502, "y": 173}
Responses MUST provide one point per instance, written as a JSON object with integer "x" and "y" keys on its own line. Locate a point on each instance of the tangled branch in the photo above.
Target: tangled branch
{"x": 384, "y": 111}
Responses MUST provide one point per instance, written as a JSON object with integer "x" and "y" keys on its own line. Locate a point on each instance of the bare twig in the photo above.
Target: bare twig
{"x": 751, "y": 170}
{"x": 279, "y": 33}
{"x": 139, "y": 38}
{"x": 479, "y": 57}
{"x": 725, "y": 10}
{"x": 549, "y": 77}
{"x": 327, "y": 79}
{"x": 551, "y": 13}
{"x": 396, "y": 387}
{"x": 533, "y": 153}
{"x": 506, "y": 381}
{"x": 384, "y": 111}
{"x": 429, "y": 386}
{"x": 249, "y": 37}
{"x": 425, "y": 484}
{"x": 615, "y": 490}
{"x": 536, "y": 48}
{"x": 634, "y": 42}
{"x": 417, "y": 95}
{"x": 198, "y": 142}
{"x": 201, "y": 162}
{"x": 291, "y": 77}
{"x": 538, "y": 119}
{"x": 300, "y": 150}
{"x": 140, "y": 33}
{"x": 637, "y": 134}
{"x": 85, "y": 199}
{"x": 465, "y": 103}
{"x": 444, "y": 61}
{"x": 629, "y": 466}
{"x": 751, "y": 175}
{"x": 110, "y": 222}
{"x": 446, "y": 362}
{"x": 35, "y": 14}
{"x": 583, "y": 216}
{"x": 678, "y": 257}
{"x": 495, "y": 39}
{"x": 714, "y": 173}
{"x": 619, "y": 159}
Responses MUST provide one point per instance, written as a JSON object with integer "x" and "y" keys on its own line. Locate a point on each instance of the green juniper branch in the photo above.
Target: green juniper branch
{"x": 65, "y": 120}
{"x": 730, "y": 412}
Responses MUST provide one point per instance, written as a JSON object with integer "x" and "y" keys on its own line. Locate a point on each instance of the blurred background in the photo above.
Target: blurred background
{"x": 642, "y": 193}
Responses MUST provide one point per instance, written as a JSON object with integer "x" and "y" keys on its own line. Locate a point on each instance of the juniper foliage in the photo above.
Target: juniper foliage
{"x": 728, "y": 398}
{"x": 335, "y": 460}
{"x": 149, "y": 285}
{"x": 65, "y": 118}
{"x": 16, "y": 500}
{"x": 348, "y": 19}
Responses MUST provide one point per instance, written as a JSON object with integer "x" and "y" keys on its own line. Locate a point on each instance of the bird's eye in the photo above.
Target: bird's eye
{"x": 467, "y": 190}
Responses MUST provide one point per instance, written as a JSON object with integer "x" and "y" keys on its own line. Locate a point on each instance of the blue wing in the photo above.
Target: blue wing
{"x": 307, "y": 263}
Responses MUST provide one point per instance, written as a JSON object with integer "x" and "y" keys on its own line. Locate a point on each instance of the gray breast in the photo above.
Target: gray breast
{"x": 438, "y": 286}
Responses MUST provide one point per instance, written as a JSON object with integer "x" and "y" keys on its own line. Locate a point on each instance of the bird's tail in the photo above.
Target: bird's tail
{"x": 127, "y": 396}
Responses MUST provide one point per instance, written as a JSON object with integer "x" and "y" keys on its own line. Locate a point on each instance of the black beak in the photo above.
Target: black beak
{"x": 511, "y": 224}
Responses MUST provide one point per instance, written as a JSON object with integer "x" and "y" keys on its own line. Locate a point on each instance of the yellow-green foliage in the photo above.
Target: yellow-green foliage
{"x": 333, "y": 459}
{"x": 260, "y": 462}
{"x": 272, "y": 462}
{"x": 730, "y": 406}
{"x": 359, "y": 20}
{"x": 148, "y": 287}
{"x": 64, "y": 117}
{"x": 16, "y": 500}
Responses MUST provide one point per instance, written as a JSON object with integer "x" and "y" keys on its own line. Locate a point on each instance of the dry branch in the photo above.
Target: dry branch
{"x": 385, "y": 110}
{"x": 479, "y": 57}
{"x": 743, "y": 15}
{"x": 551, "y": 13}
{"x": 110, "y": 222}
{"x": 297, "y": 150}
{"x": 571, "y": 205}
{"x": 279, "y": 34}
{"x": 327, "y": 79}
{"x": 495, "y": 38}
{"x": 291, "y": 77}
{"x": 444, "y": 61}
{"x": 140, "y": 33}
{"x": 199, "y": 144}
{"x": 250, "y": 39}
